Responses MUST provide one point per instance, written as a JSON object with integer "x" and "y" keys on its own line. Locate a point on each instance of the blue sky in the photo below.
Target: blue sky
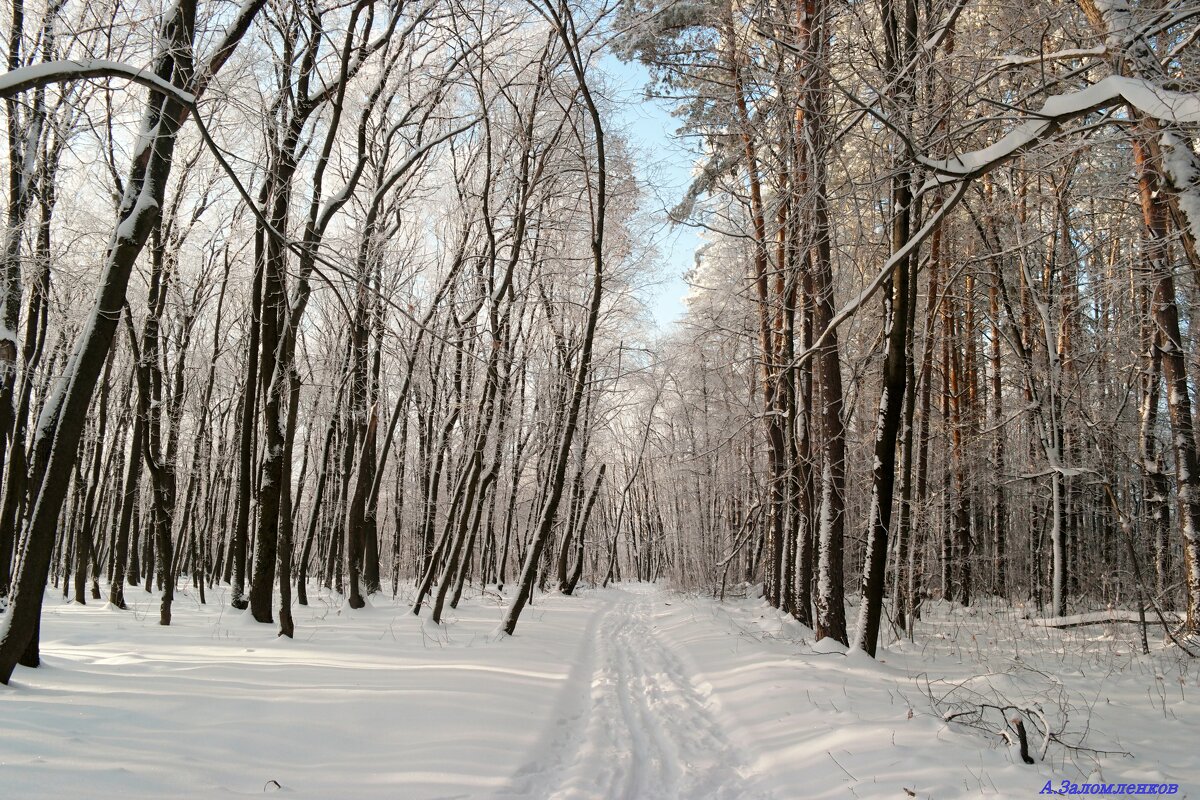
{"x": 664, "y": 165}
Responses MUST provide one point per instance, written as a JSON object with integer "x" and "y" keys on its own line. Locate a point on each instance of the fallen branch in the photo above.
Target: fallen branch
{"x": 1115, "y": 616}
{"x": 1044, "y": 711}
{"x": 1019, "y": 724}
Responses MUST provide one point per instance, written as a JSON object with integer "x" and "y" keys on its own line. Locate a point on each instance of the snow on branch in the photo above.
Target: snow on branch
{"x": 1014, "y": 60}
{"x": 1154, "y": 101}
{"x": 1162, "y": 104}
{"x": 851, "y": 308}
{"x": 1102, "y": 618}
{"x": 943, "y": 28}
{"x": 25, "y": 78}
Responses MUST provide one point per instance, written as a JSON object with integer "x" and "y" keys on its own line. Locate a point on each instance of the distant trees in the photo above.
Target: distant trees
{"x": 968, "y": 173}
{"x": 64, "y": 412}
{"x": 376, "y": 266}
{"x": 359, "y": 335}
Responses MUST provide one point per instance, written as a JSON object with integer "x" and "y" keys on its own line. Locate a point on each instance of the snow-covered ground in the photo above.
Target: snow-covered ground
{"x": 629, "y": 692}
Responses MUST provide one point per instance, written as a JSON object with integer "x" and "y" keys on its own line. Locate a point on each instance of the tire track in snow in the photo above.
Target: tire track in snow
{"x": 641, "y": 730}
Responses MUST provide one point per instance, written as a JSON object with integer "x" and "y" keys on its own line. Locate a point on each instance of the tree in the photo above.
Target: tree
{"x": 176, "y": 82}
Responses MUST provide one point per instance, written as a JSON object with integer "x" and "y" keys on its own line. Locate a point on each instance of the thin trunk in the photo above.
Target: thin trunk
{"x": 61, "y": 425}
{"x": 897, "y": 328}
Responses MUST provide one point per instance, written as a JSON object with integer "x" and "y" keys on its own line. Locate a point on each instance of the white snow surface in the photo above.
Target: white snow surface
{"x": 627, "y": 692}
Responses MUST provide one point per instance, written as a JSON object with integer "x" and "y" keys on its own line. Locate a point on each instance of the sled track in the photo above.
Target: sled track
{"x": 638, "y": 729}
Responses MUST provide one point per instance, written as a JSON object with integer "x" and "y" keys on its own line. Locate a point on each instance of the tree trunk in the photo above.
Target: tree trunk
{"x": 56, "y": 444}
{"x": 1169, "y": 340}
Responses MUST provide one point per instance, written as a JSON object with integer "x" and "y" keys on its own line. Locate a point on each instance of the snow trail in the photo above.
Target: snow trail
{"x": 626, "y": 692}
{"x": 637, "y": 726}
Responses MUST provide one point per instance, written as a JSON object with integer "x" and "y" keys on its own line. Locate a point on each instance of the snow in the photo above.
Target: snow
{"x": 1157, "y": 102}
{"x": 54, "y": 399}
{"x": 1162, "y": 104}
{"x": 1182, "y": 168}
{"x": 632, "y": 691}
{"x": 18, "y": 80}
{"x": 1102, "y": 617}
{"x": 1118, "y": 17}
{"x": 1014, "y": 60}
{"x": 824, "y": 532}
{"x": 6, "y": 334}
{"x": 146, "y": 203}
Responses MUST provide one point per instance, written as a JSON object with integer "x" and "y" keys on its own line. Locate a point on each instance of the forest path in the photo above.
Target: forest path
{"x": 633, "y": 721}
{"x": 632, "y": 691}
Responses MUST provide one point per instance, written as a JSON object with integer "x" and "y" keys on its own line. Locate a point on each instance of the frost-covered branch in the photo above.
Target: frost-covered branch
{"x": 1069, "y": 54}
{"x": 68, "y": 70}
{"x": 851, "y": 308}
{"x": 1155, "y": 101}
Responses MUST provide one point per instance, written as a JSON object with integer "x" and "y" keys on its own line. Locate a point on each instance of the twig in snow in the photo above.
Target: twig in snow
{"x": 843, "y": 769}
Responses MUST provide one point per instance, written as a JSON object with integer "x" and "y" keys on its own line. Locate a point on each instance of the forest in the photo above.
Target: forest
{"x": 349, "y": 302}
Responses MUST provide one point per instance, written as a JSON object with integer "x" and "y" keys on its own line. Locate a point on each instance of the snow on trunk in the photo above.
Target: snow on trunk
{"x": 1181, "y": 167}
